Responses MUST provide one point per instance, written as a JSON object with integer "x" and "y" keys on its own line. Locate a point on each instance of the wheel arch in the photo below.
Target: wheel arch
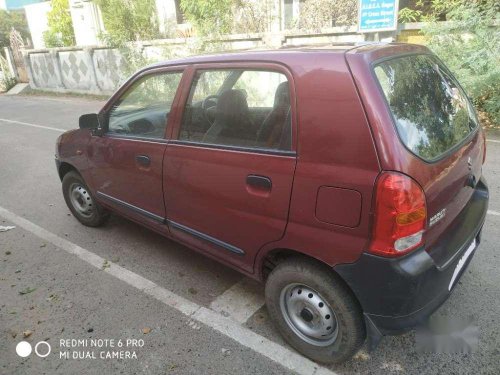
{"x": 64, "y": 168}
{"x": 273, "y": 257}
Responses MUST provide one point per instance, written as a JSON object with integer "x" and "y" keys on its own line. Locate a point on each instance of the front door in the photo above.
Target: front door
{"x": 126, "y": 162}
{"x": 229, "y": 168}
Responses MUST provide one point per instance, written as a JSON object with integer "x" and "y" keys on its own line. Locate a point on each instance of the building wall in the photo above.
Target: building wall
{"x": 87, "y": 22}
{"x": 101, "y": 70}
{"x": 411, "y": 36}
{"x": 36, "y": 15}
{"x": 165, "y": 9}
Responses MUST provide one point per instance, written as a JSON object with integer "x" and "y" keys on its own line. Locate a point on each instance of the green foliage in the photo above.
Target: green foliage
{"x": 438, "y": 9}
{"x": 9, "y": 20}
{"x": 7, "y": 82}
{"x": 406, "y": 15}
{"x": 426, "y": 10}
{"x": 469, "y": 44}
{"x": 60, "y": 32}
{"x": 128, "y": 20}
{"x": 210, "y": 17}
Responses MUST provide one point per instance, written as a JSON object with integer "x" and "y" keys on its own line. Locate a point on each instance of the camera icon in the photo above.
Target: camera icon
{"x": 24, "y": 349}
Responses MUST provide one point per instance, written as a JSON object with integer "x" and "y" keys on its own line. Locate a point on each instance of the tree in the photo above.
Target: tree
{"x": 9, "y": 20}
{"x": 469, "y": 44}
{"x": 60, "y": 32}
{"x": 129, "y": 20}
{"x": 428, "y": 10}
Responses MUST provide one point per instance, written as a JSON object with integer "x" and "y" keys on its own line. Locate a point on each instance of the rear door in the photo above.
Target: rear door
{"x": 437, "y": 125}
{"x": 227, "y": 191}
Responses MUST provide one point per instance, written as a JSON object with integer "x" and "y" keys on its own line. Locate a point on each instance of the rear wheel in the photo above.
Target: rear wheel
{"x": 314, "y": 311}
{"x": 81, "y": 202}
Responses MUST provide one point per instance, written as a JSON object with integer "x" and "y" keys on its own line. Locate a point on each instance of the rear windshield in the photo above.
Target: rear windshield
{"x": 431, "y": 111}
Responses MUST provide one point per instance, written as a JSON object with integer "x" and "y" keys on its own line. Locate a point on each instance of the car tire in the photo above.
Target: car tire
{"x": 314, "y": 310}
{"x": 81, "y": 202}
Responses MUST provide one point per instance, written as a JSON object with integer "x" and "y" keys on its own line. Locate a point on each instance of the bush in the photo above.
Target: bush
{"x": 252, "y": 16}
{"x": 210, "y": 17}
{"x": 469, "y": 44}
{"x": 7, "y": 81}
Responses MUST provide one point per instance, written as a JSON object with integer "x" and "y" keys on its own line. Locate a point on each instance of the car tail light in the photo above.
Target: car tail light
{"x": 400, "y": 215}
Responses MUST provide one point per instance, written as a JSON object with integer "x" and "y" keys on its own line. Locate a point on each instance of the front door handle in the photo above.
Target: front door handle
{"x": 143, "y": 160}
{"x": 259, "y": 182}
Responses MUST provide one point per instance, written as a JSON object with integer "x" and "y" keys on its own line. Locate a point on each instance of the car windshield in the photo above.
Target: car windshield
{"x": 431, "y": 112}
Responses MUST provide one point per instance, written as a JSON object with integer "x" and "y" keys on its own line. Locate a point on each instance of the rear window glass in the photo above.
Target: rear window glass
{"x": 431, "y": 111}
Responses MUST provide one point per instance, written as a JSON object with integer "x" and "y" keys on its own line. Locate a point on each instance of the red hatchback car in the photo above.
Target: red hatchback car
{"x": 347, "y": 178}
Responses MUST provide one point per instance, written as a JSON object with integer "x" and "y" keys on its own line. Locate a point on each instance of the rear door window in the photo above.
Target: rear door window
{"x": 431, "y": 112}
{"x": 239, "y": 108}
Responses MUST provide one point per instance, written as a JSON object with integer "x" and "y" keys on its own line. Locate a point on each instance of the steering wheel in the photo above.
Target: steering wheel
{"x": 208, "y": 106}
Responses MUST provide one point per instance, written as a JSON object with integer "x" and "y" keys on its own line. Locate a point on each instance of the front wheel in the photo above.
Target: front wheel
{"x": 81, "y": 202}
{"x": 314, "y": 311}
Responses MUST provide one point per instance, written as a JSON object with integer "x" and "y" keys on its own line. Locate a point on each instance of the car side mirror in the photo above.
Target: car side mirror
{"x": 89, "y": 121}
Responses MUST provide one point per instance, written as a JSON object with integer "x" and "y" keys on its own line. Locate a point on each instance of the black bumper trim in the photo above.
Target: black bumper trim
{"x": 398, "y": 294}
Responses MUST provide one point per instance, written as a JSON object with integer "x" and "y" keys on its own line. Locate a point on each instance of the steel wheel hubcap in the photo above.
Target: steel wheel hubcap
{"x": 81, "y": 200}
{"x": 308, "y": 314}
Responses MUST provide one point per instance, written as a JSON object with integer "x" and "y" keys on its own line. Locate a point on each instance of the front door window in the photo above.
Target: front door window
{"x": 143, "y": 110}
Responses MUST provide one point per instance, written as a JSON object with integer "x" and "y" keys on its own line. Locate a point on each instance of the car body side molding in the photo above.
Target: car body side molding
{"x": 206, "y": 237}
{"x": 173, "y": 224}
{"x": 136, "y": 209}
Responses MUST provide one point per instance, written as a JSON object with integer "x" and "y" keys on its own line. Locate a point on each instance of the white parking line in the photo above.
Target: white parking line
{"x": 492, "y": 140}
{"x": 32, "y": 125}
{"x": 240, "y": 301}
{"x": 56, "y": 99}
{"x": 494, "y": 213}
{"x": 228, "y": 327}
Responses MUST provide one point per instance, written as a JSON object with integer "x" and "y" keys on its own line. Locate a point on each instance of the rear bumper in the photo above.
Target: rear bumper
{"x": 399, "y": 294}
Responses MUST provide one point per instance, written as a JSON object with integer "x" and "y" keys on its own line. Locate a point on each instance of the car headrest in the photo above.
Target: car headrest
{"x": 232, "y": 106}
{"x": 282, "y": 96}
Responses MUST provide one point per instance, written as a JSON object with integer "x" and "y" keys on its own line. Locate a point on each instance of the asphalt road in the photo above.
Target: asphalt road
{"x": 60, "y": 280}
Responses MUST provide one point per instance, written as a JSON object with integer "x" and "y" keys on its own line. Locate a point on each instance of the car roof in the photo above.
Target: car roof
{"x": 284, "y": 54}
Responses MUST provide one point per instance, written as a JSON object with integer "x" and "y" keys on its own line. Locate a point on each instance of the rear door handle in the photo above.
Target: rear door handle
{"x": 259, "y": 182}
{"x": 143, "y": 160}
